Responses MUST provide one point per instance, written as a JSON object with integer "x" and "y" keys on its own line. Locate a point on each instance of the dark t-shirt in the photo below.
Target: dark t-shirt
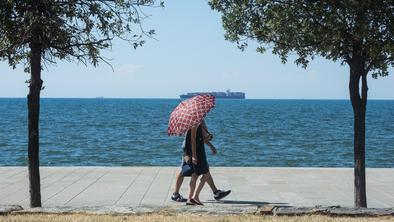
{"x": 202, "y": 164}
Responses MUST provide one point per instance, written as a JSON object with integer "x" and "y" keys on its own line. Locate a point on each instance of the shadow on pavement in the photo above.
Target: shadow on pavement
{"x": 246, "y": 202}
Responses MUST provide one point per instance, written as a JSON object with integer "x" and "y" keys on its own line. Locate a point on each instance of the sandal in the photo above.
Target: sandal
{"x": 190, "y": 202}
{"x": 195, "y": 202}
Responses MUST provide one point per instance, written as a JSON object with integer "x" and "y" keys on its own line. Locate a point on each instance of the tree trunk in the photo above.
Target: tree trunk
{"x": 359, "y": 103}
{"x": 33, "y": 103}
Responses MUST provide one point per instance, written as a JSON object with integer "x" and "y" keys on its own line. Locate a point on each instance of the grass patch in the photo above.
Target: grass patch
{"x": 156, "y": 217}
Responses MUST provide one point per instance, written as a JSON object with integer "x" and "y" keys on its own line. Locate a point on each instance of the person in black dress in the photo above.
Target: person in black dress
{"x": 194, "y": 148}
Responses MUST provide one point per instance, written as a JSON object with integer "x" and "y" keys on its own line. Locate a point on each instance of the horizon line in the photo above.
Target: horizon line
{"x": 101, "y": 97}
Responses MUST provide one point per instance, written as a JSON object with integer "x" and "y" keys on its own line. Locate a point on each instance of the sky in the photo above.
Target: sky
{"x": 189, "y": 53}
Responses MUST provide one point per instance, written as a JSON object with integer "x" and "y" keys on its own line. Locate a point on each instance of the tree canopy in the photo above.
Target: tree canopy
{"x": 33, "y": 32}
{"x": 358, "y": 33}
{"x": 75, "y": 30}
{"x": 332, "y": 29}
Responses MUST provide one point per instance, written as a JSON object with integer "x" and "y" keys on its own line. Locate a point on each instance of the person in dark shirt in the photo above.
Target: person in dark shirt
{"x": 199, "y": 135}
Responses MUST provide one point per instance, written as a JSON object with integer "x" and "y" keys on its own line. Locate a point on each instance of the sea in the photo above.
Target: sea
{"x": 133, "y": 132}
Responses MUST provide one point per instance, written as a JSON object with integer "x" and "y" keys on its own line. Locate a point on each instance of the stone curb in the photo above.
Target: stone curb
{"x": 6, "y": 209}
{"x": 124, "y": 210}
{"x": 326, "y": 210}
{"x": 113, "y": 210}
{"x": 217, "y": 209}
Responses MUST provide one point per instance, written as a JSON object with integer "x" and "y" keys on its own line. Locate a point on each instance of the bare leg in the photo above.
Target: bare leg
{"x": 210, "y": 182}
{"x": 178, "y": 183}
{"x": 199, "y": 188}
{"x": 192, "y": 185}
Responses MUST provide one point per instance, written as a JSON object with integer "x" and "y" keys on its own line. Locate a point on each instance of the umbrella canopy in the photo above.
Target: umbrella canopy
{"x": 189, "y": 114}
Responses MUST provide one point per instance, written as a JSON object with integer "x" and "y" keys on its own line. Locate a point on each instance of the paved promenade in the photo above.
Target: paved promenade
{"x": 152, "y": 186}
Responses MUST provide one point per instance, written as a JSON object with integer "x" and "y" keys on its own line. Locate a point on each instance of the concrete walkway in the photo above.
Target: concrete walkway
{"x": 152, "y": 186}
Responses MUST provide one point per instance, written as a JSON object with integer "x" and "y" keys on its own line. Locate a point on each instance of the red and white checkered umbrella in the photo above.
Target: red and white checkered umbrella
{"x": 189, "y": 114}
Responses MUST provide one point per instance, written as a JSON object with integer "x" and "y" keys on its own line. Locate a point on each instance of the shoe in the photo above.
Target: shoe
{"x": 220, "y": 194}
{"x": 178, "y": 198}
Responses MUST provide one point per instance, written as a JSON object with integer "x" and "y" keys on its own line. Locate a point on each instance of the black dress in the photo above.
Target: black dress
{"x": 202, "y": 166}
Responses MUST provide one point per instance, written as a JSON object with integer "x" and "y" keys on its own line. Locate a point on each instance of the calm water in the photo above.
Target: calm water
{"x": 128, "y": 132}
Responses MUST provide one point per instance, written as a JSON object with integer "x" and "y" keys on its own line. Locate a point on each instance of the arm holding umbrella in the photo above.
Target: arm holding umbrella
{"x": 194, "y": 144}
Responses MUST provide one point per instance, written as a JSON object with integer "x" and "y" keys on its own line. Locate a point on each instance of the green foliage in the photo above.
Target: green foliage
{"x": 69, "y": 29}
{"x": 334, "y": 29}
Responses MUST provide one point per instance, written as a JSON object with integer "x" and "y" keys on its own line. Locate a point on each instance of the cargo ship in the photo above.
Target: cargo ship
{"x": 219, "y": 95}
